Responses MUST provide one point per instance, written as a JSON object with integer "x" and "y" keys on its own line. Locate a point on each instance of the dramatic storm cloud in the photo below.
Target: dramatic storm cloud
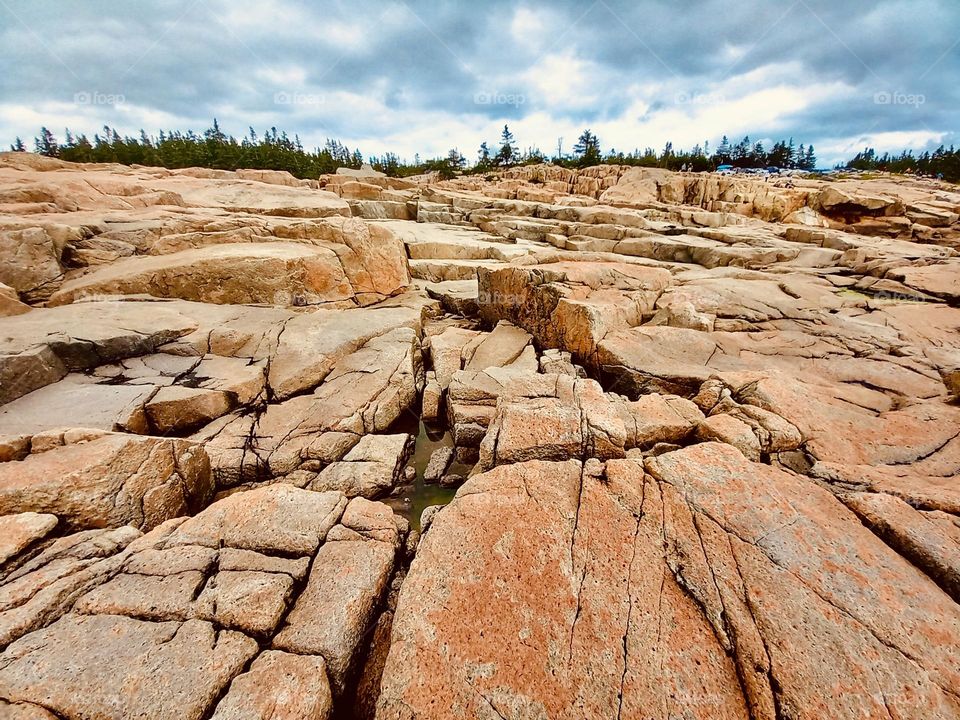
{"x": 426, "y": 76}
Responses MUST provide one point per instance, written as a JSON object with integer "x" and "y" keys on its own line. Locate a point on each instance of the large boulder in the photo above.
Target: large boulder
{"x": 30, "y": 257}
{"x": 571, "y": 305}
{"x": 372, "y": 467}
{"x": 365, "y": 392}
{"x": 702, "y": 584}
{"x": 575, "y": 420}
{"x": 109, "y": 480}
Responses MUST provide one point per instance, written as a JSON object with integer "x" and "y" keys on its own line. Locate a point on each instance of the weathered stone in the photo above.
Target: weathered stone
{"x": 10, "y": 302}
{"x": 694, "y": 588}
{"x": 275, "y": 519}
{"x": 576, "y": 420}
{"x": 37, "y": 348}
{"x": 656, "y": 418}
{"x": 332, "y": 614}
{"x": 374, "y": 521}
{"x": 145, "y": 597}
{"x": 732, "y": 431}
{"x": 279, "y": 686}
{"x": 355, "y": 479}
{"x": 311, "y": 345}
{"x": 365, "y": 393}
{"x": 437, "y": 465}
{"x": 18, "y": 532}
{"x": 431, "y": 399}
{"x": 930, "y": 540}
{"x": 75, "y": 402}
{"x": 571, "y": 305}
{"x": 446, "y": 352}
{"x": 178, "y": 409}
{"x": 233, "y": 559}
{"x": 113, "y": 480}
{"x": 252, "y": 602}
{"x": 371, "y": 468}
{"x": 500, "y": 348}
{"x": 558, "y": 362}
{"x": 452, "y": 480}
{"x": 14, "y": 447}
{"x": 41, "y": 589}
{"x": 30, "y": 257}
{"x": 280, "y": 273}
{"x": 107, "y": 666}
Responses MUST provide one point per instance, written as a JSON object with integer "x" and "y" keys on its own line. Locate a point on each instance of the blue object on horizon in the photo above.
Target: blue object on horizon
{"x": 725, "y": 167}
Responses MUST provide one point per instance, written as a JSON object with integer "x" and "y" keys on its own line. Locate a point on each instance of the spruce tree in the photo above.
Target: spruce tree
{"x": 455, "y": 160}
{"x": 724, "y": 151}
{"x": 587, "y": 149}
{"x": 508, "y": 148}
{"x": 483, "y": 156}
{"x": 46, "y": 144}
{"x": 18, "y": 146}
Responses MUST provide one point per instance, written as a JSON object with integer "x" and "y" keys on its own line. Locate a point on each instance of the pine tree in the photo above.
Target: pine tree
{"x": 483, "y": 156}
{"x": 724, "y": 151}
{"x": 18, "y": 146}
{"x": 587, "y": 149}
{"x": 740, "y": 155}
{"x": 779, "y": 156}
{"x": 667, "y": 155}
{"x": 46, "y": 144}
{"x": 799, "y": 158}
{"x": 455, "y": 160}
{"x": 508, "y": 148}
{"x": 810, "y": 159}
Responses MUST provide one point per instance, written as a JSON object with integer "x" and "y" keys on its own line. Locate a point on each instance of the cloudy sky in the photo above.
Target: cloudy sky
{"x": 423, "y": 76}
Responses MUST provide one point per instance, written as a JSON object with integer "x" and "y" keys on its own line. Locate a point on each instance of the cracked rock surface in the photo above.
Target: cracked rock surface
{"x": 547, "y": 443}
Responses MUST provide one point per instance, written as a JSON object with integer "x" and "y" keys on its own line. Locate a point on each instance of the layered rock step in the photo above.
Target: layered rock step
{"x": 279, "y": 273}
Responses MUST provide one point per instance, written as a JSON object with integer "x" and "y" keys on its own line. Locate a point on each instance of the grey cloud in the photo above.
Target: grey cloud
{"x": 181, "y": 58}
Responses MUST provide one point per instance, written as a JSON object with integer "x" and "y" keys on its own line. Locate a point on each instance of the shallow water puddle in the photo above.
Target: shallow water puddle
{"x": 411, "y": 500}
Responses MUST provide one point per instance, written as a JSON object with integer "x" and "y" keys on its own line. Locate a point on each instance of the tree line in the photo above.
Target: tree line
{"x": 275, "y": 150}
{"x": 942, "y": 162}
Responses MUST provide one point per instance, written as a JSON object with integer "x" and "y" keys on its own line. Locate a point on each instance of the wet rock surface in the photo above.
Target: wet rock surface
{"x": 614, "y": 442}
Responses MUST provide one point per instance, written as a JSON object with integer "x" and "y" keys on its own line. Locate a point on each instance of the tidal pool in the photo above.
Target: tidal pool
{"x": 411, "y": 500}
